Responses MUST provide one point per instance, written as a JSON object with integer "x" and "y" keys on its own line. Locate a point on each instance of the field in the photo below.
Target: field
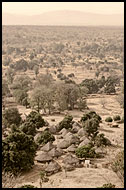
{"x": 82, "y": 51}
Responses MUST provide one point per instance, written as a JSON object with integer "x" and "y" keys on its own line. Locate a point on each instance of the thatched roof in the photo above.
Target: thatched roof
{"x": 81, "y": 132}
{"x": 55, "y": 153}
{"x": 53, "y": 129}
{"x": 43, "y": 157}
{"x": 84, "y": 142}
{"x": 70, "y": 159}
{"x": 71, "y": 148}
{"x": 53, "y": 167}
{"x": 47, "y": 147}
{"x": 63, "y": 144}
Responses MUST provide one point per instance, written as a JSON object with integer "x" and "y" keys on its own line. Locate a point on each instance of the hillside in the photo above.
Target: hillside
{"x": 64, "y": 18}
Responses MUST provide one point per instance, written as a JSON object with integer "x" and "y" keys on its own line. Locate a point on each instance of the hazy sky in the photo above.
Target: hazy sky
{"x": 34, "y": 8}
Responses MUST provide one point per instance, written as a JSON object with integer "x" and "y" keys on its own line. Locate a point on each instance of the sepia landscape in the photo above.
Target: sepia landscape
{"x": 62, "y": 106}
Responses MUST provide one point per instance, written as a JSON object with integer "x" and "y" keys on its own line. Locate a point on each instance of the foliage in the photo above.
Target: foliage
{"x": 5, "y": 88}
{"x": 33, "y": 121}
{"x": 100, "y": 140}
{"x": 11, "y": 116}
{"x": 18, "y": 151}
{"x": 45, "y": 137}
{"x": 108, "y": 119}
{"x": 28, "y": 128}
{"x": 116, "y": 118}
{"x": 10, "y": 75}
{"x": 21, "y": 64}
{"x": 20, "y": 95}
{"x": 86, "y": 151}
{"x": 36, "y": 119}
{"x": 118, "y": 164}
{"x": 108, "y": 185}
{"x": 109, "y": 88}
{"x": 91, "y": 85}
{"x": 89, "y": 115}
{"x": 27, "y": 186}
{"x": 91, "y": 127}
{"x": 66, "y": 122}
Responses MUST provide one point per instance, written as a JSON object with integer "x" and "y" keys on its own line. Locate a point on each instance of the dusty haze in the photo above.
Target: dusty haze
{"x": 64, "y": 17}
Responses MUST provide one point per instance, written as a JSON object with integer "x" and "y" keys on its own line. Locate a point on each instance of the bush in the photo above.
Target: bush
{"x": 66, "y": 122}
{"x": 89, "y": 115}
{"x": 118, "y": 164}
{"x": 11, "y": 116}
{"x": 91, "y": 127}
{"x": 108, "y": 185}
{"x": 18, "y": 151}
{"x": 116, "y": 118}
{"x": 33, "y": 121}
{"x": 28, "y": 128}
{"x": 101, "y": 140}
{"x": 45, "y": 137}
{"x": 27, "y": 186}
{"x": 86, "y": 151}
{"x": 36, "y": 119}
{"x": 91, "y": 85}
{"x": 108, "y": 119}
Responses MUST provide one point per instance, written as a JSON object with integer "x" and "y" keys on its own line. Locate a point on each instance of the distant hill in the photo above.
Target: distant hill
{"x": 65, "y": 17}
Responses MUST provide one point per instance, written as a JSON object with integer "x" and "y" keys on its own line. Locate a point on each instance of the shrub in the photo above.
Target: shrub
{"x": 66, "y": 122}
{"x": 45, "y": 137}
{"x": 36, "y": 119}
{"x": 116, "y": 118}
{"x": 91, "y": 85}
{"x": 28, "y": 128}
{"x": 108, "y": 185}
{"x": 89, "y": 115}
{"x": 86, "y": 151}
{"x": 108, "y": 119}
{"x": 18, "y": 151}
{"x": 11, "y": 116}
{"x": 118, "y": 164}
{"x": 27, "y": 186}
{"x": 101, "y": 140}
{"x": 91, "y": 127}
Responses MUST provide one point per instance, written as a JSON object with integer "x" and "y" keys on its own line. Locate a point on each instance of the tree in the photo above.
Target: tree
{"x": 44, "y": 79}
{"x": 36, "y": 119}
{"x": 11, "y": 116}
{"x": 91, "y": 127}
{"x": 18, "y": 152}
{"x": 66, "y": 122}
{"x": 45, "y": 137}
{"x": 97, "y": 73}
{"x": 38, "y": 98}
{"x": 86, "y": 151}
{"x": 20, "y": 95}
{"x": 109, "y": 88}
{"x": 10, "y": 75}
{"x": 101, "y": 140}
{"x": 36, "y": 70}
{"x": 33, "y": 121}
{"x": 5, "y": 89}
{"x": 91, "y": 85}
